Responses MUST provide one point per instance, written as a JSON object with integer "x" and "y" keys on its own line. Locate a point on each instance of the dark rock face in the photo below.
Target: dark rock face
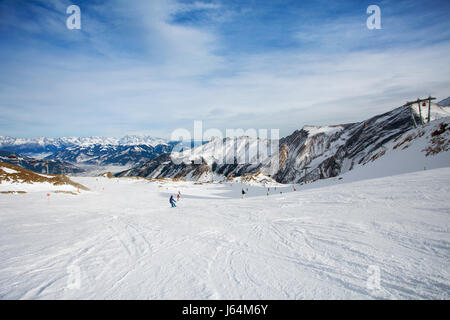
{"x": 159, "y": 167}
{"x": 163, "y": 166}
{"x": 330, "y": 154}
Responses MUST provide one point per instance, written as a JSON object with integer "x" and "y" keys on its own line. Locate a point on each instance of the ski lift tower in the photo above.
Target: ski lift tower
{"x": 419, "y": 103}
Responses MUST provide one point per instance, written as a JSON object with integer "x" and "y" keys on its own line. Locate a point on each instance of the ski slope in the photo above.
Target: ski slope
{"x": 121, "y": 240}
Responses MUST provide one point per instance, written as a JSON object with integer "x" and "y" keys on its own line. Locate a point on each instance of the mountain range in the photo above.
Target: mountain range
{"x": 101, "y": 155}
{"x": 311, "y": 153}
{"x": 44, "y": 144}
{"x": 306, "y": 155}
{"x": 39, "y": 165}
{"x": 100, "y": 151}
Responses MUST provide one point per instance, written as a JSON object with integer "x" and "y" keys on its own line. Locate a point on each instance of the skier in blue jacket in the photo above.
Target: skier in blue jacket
{"x": 172, "y": 201}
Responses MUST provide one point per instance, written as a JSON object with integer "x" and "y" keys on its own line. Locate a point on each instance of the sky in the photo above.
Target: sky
{"x": 150, "y": 67}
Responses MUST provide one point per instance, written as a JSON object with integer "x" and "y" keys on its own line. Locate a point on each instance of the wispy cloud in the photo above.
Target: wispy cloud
{"x": 152, "y": 67}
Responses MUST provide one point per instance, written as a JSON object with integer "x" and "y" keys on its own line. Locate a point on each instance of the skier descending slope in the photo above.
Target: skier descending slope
{"x": 172, "y": 201}
{"x": 243, "y": 193}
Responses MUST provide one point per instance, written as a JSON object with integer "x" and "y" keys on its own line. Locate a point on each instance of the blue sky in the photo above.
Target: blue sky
{"x": 149, "y": 67}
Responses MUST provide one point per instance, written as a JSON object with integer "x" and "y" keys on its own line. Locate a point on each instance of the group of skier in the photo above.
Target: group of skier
{"x": 172, "y": 200}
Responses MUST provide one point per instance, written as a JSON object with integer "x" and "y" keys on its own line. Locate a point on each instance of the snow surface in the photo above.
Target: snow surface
{"x": 35, "y": 187}
{"x": 8, "y": 170}
{"x": 125, "y": 242}
{"x": 445, "y": 102}
{"x": 314, "y": 130}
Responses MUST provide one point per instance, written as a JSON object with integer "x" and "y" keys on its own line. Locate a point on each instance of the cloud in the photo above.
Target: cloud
{"x": 140, "y": 69}
{"x": 199, "y": 5}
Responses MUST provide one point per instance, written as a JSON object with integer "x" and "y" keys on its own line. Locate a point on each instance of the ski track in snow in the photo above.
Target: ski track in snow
{"x": 309, "y": 244}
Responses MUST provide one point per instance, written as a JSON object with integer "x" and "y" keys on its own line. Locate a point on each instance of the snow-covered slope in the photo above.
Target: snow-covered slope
{"x": 418, "y": 149}
{"x": 445, "y": 102}
{"x": 15, "y": 179}
{"x": 384, "y": 238}
{"x": 331, "y": 151}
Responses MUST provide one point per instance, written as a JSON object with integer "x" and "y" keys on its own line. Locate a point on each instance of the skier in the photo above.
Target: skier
{"x": 178, "y": 195}
{"x": 243, "y": 193}
{"x": 172, "y": 201}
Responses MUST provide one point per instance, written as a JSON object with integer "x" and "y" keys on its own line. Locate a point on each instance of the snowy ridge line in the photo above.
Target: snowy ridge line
{"x": 83, "y": 141}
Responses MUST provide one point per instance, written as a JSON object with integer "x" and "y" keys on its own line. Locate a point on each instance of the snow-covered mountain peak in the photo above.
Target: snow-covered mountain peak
{"x": 228, "y": 150}
{"x": 128, "y": 150}
{"x": 314, "y": 130}
{"x": 6, "y": 141}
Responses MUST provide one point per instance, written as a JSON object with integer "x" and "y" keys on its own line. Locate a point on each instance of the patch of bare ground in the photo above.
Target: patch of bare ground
{"x": 439, "y": 140}
{"x": 107, "y": 175}
{"x": 63, "y": 191}
{"x": 12, "y": 192}
{"x": 376, "y": 156}
{"x": 408, "y": 138}
{"x": 19, "y": 175}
